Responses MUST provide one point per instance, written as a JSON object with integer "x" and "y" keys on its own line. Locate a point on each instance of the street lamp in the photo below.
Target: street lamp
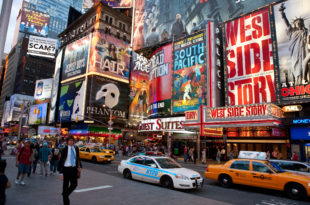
{"x": 110, "y": 122}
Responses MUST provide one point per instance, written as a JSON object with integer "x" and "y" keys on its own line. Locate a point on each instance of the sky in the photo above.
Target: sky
{"x": 10, "y": 34}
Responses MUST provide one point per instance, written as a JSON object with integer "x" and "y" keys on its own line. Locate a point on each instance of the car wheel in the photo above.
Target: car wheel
{"x": 295, "y": 191}
{"x": 166, "y": 182}
{"x": 225, "y": 181}
{"x": 127, "y": 174}
{"x": 94, "y": 159}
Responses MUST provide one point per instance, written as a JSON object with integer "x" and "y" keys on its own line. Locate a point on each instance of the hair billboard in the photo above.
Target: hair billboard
{"x": 34, "y": 22}
{"x": 110, "y": 57}
{"x": 249, "y": 60}
{"x": 162, "y": 20}
{"x": 292, "y": 22}
{"x": 160, "y": 82}
{"x": 189, "y": 73}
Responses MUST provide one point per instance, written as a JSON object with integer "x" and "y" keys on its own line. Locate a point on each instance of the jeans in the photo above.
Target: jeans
{"x": 34, "y": 167}
{"x": 185, "y": 157}
{"x": 53, "y": 166}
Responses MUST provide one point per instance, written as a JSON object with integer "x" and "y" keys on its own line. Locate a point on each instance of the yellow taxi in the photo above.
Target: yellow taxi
{"x": 95, "y": 155}
{"x": 259, "y": 173}
{"x": 104, "y": 150}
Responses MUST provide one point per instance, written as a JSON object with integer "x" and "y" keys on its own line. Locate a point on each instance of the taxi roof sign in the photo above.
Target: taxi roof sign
{"x": 252, "y": 155}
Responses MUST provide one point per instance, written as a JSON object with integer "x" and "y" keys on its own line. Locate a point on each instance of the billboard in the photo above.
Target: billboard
{"x": 75, "y": 59}
{"x": 249, "y": 60}
{"x": 189, "y": 73}
{"x": 160, "y": 82}
{"x": 43, "y": 89}
{"x": 139, "y": 88}
{"x": 292, "y": 20}
{"x": 162, "y": 20}
{"x": 34, "y": 22}
{"x": 37, "y": 114}
{"x": 54, "y": 95}
{"x": 71, "y": 101}
{"x": 43, "y": 47}
{"x": 113, "y": 94}
{"x": 87, "y": 4}
{"x": 110, "y": 57}
{"x": 16, "y": 102}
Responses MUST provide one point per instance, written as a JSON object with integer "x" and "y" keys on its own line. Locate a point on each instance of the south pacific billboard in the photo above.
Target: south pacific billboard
{"x": 105, "y": 95}
{"x": 160, "y": 82}
{"x": 75, "y": 59}
{"x": 292, "y": 23}
{"x": 71, "y": 101}
{"x": 110, "y": 57}
{"x": 139, "y": 88}
{"x": 34, "y": 22}
{"x": 249, "y": 60}
{"x": 189, "y": 73}
{"x": 162, "y": 20}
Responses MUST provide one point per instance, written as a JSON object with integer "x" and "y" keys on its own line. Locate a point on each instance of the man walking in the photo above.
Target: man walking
{"x": 43, "y": 156}
{"x": 23, "y": 161}
{"x": 70, "y": 168}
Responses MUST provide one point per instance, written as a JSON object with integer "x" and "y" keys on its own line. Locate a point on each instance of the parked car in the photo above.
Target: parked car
{"x": 94, "y": 154}
{"x": 293, "y": 166}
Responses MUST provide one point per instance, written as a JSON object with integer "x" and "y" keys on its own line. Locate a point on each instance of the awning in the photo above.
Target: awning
{"x": 95, "y": 131}
{"x": 262, "y": 141}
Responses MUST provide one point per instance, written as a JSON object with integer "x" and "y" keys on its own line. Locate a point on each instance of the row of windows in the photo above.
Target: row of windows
{"x": 110, "y": 20}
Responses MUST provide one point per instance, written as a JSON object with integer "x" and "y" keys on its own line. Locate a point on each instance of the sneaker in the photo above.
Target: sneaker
{"x": 22, "y": 183}
{"x": 16, "y": 181}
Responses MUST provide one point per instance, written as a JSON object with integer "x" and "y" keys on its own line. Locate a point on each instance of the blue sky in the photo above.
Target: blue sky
{"x": 14, "y": 13}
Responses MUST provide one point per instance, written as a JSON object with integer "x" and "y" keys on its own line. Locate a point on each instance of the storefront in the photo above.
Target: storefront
{"x": 255, "y": 127}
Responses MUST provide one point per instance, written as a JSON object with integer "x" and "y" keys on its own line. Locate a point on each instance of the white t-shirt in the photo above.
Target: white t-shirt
{"x": 68, "y": 161}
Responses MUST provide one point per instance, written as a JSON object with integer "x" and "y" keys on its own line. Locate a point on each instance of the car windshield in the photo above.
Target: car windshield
{"x": 167, "y": 163}
{"x": 274, "y": 167}
{"x": 94, "y": 150}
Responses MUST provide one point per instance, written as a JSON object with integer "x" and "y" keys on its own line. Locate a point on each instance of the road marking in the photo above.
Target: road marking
{"x": 93, "y": 188}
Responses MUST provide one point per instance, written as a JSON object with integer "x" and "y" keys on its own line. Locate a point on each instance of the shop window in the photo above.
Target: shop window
{"x": 242, "y": 165}
{"x": 260, "y": 167}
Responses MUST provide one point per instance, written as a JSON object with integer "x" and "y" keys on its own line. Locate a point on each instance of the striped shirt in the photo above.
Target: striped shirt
{"x": 43, "y": 154}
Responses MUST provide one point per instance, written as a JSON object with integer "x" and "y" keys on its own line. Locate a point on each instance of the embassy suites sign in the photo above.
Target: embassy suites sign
{"x": 162, "y": 125}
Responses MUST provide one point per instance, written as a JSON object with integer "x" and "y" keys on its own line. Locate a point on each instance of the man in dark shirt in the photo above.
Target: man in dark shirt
{"x": 178, "y": 29}
{"x": 4, "y": 182}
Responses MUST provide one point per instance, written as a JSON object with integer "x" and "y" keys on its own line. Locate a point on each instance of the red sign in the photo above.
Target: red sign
{"x": 250, "y": 68}
{"x": 163, "y": 124}
{"x": 191, "y": 115}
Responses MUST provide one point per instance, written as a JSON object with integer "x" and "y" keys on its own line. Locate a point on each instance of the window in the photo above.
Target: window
{"x": 260, "y": 167}
{"x": 300, "y": 167}
{"x": 138, "y": 160}
{"x": 242, "y": 165}
{"x": 149, "y": 162}
{"x": 25, "y": 81}
{"x": 106, "y": 18}
{"x": 124, "y": 38}
{"x": 111, "y": 21}
{"x": 285, "y": 165}
{"x": 118, "y": 35}
{"x": 87, "y": 150}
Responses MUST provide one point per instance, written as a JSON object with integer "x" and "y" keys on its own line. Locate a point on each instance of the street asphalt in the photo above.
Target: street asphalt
{"x": 102, "y": 184}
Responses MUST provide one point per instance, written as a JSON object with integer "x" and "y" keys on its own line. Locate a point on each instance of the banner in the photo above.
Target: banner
{"x": 43, "y": 89}
{"x": 292, "y": 20}
{"x": 113, "y": 94}
{"x": 110, "y": 57}
{"x": 76, "y": 56}
{"x": 163, "y": 20}
{"x": 34, "y": 22}
{"x": 87, "y": 4}
{"x": 139, "y": 88}
{"x": 56, "y": 79}
{"x": 174, "y": 124}
{"x": 71, "y": 101}
{"x": 43, "y": 47}
{"x": 189, "y": 73}
{"x": 249, "y": 60}
{"x": 18, "y": 103}
{"x": 160, "y": 82}
{"x": 37, "y": 114}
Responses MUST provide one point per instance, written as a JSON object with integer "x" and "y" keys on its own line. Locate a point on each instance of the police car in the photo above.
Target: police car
{"x": 160, "y": 170}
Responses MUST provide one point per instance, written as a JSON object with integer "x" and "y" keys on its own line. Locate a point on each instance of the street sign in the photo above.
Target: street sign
{"x": 292, "y": 108}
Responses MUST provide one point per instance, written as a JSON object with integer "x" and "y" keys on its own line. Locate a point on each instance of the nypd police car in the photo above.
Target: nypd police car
{"x": 160, "y": 170}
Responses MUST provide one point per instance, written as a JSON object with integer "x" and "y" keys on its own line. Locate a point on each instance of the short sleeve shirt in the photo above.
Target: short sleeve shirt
{"x": 25, "y": 154}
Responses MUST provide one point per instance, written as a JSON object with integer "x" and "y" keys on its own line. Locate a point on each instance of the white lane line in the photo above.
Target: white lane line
{"x": 93, "y": 188}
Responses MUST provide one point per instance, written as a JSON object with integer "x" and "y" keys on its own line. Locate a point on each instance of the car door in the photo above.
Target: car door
{"x": 87, "y": 154}
{"x": 137, "y": 168}
{"x": 240, "y": 172}
{"x": 82, "y": 153}
{"x": 151, "y": 170}
{"x": 262, "y": 175}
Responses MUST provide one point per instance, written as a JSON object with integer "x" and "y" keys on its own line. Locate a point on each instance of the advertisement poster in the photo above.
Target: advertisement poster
{"x": 162, "y": 20}
{"x": 292, "y": 22}
{"x": 55, "y": 87}
{"x": 37, "y": 114}
{"x": 75, "y": 60}
{"x": 87, "y": 4}
{"x": 18, "y": 103}
{"x": 249, "y": 60}
{"x": 109, "y": 56}
{"x": 139, "y": 88}
{"x": 43, "y": 47}
{"x": 43, "y": 89}
{"x": 189, "y": 73}
{"x": 71, "y": 101}
{"x": 160, "y": 82}
{"x": 113, "y": 94}
{"x": 34, "y": 22}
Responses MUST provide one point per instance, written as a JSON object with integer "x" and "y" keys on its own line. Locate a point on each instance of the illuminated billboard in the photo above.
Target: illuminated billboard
{"x": 75, "y": 59}
{"x": 249, "y": 60}
{"x": 87, "y": 4}
{"x": 43, "y": 47}
{"x": 292, "y": 20}
{"x": 163, "y": 20}
{"x": 160, "y": 82}
{"x": 110, "y": 57}
{"x": 189, "y": 73}
{"x": 43, "y": 89}
{"x": 37, "y": 114}
{"x": 34, "y": 22}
